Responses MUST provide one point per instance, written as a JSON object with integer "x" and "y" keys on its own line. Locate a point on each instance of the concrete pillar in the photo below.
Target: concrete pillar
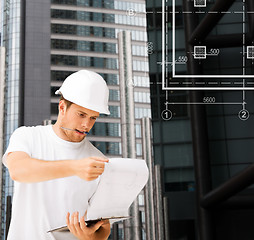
{"x": 159, "y": 203}
{"x": 132, "y": 227}
{"x": 149, "y": 190}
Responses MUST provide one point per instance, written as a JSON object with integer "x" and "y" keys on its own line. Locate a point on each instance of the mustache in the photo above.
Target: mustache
{"x": 75, "y": 130}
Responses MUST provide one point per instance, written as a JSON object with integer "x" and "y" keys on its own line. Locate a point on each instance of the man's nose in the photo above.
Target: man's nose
{"x": 86, "y": 122}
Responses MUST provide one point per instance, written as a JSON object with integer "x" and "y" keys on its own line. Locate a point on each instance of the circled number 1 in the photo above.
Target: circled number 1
{"x": 166, "y": 114}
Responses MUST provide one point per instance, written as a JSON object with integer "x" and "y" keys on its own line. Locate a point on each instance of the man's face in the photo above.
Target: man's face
{"x": 79, "y": 119}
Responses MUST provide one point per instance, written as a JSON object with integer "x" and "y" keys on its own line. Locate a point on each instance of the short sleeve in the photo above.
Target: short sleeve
{"x": 19, "y": 141}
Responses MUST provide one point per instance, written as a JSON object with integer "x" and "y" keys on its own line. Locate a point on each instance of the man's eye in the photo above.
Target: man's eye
{"x": 81, "y": 114}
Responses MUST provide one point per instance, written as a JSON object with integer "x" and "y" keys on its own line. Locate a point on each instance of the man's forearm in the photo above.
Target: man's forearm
{"x": 26, "y": 169}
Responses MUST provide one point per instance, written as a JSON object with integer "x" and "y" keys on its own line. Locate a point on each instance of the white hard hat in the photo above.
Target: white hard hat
{"x": 86, "y": 89}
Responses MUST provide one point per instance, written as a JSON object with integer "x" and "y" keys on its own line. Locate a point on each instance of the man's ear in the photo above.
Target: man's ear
{"x": 62, "y": 107}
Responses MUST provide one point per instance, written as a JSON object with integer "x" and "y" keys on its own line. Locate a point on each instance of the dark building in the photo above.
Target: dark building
{"x": 201, "y": 71}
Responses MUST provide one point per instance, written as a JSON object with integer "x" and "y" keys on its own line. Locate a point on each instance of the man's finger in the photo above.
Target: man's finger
{"x": 105, "y": 222}
{"x": 95, "y": 171}
{"x": 94, "y": 176}
{"x": 100, "y": 159}
{"x": 76, "y": 221}
{"x": 96, "y": 167}
{"x": 96, "y": 226}
{"x": 68, "y": 219}
{"x": 82, "y": 223}
{"x": 70, "y": 223}
{"x": 98, "y": 164}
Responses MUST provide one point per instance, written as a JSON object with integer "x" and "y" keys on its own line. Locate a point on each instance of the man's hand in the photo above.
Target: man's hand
{"x": 89, "y": 168}
{"x": 98, "y": 231}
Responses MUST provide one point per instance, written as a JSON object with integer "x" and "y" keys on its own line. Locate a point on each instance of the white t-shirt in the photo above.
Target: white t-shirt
{"x": 39, "y": 207}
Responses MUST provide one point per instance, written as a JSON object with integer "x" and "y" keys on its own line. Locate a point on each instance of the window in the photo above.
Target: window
{"x": 114, "y": 95}
{"x": 54, "y": 108}
{"x": 82, "y": 15}
{"x": 142, "y": 97}
{"x": 111, "y": 79}
{"x": 114, "y": 112}
{"x": 142, "y": 112}
{"x": 59, "y": 75}
{"x": 112, "y": 148}
{"x": 83, "y": 61}
{"x": 106, "y": 129}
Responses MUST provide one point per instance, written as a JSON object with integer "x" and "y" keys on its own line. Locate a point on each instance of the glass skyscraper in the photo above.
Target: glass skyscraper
{"x": 10, "y": 34}
{"x": 48, "y": 40}
{"x": 90, "y": 29}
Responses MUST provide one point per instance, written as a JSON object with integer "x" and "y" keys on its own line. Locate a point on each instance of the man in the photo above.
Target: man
{"x": 55, "y": 168}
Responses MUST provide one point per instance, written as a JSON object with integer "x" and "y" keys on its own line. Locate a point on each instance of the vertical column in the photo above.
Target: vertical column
{"x": 2, "y": 86}
{"x": 250, "y": 8}
{"x": 132, "y": 227}
{"x": 115, "y": 231}
{"x": 8, "y": 215}
{"x": 199, "y": 133}
{"x": 151, "y": 221}
{"x": 166, "y": 218}
{"x": 159, "y": 203}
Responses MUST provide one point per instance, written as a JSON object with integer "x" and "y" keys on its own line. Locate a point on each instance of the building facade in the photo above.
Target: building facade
{"x": 48, "y": 40}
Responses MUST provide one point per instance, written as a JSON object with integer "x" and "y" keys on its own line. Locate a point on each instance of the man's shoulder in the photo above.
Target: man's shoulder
{"x": 37, "y": 127}
{"x": 31, "y": 129}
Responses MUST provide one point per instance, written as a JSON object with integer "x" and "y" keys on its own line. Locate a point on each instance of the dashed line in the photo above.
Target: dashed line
{"x": 209, "y": 12}
{"x": 174, "y": 82}
{"x": 208, "y": 83}
{"x": 156, "y": 83}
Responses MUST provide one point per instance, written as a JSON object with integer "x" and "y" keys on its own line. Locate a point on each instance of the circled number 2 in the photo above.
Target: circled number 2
{"x": 244, "y": 115}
